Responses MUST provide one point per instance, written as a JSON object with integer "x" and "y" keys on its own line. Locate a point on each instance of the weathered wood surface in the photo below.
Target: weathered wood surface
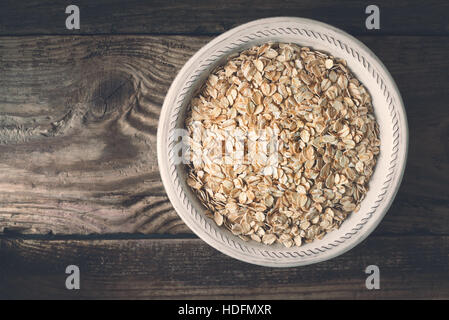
{"x": 410, "y": 268}
{"x": 78, "y": 133}
{"x": 78, "y": 120}
{"x": 399, "y": 17}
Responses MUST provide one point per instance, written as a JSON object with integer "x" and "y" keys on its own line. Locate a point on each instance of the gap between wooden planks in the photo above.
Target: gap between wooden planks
{"x": 78, "y": 121}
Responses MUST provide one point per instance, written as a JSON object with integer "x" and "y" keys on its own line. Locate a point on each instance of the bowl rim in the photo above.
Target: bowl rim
{"x": 162, "y": 148}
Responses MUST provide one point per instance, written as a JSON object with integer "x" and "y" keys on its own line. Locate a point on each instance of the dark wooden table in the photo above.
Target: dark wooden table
{"x": 79, "y": 182}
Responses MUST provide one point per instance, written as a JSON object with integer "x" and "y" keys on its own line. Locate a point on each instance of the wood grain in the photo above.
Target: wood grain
{"x": 78, "y": 120}
{"x": 410, "y": 268}
{"x": 78, "y": 133}
{"x": 399, "y": 17}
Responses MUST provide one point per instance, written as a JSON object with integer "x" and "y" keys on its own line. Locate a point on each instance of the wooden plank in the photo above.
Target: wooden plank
{"x": 401, "y": 17}
{"x": 410, "y": 268}
{"x": 78, "y": 120}
{"x": 78, "y": 133}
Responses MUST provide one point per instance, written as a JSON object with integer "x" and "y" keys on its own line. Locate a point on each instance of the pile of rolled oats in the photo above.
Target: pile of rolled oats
{"x": 283, "y": 142}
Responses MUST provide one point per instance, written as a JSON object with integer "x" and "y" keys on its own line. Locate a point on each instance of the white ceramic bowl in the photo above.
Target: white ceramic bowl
{"x": 388, "y": 108}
